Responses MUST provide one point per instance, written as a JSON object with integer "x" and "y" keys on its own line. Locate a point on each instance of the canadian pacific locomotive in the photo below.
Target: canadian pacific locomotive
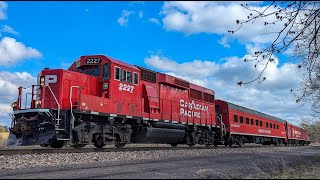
{"x": 100, "y": 100}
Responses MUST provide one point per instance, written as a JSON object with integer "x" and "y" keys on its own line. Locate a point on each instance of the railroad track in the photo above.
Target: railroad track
{"x": 126, "y": 149}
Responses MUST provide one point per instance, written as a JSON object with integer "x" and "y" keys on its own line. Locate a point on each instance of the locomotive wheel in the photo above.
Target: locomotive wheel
{"x": 117, "y": 142}
{"x": 98, "y": 143}
{"x": 215, "y": 143}
{"x": 57, "y": 144}
{"x": 174, "y": 145}
{"x": 44, "y": 145}
{"x": 230, "y": 143}
{"x": 190, "y": 140}
{"x": 119, "y": 145}
{"x": 79, "y": 146}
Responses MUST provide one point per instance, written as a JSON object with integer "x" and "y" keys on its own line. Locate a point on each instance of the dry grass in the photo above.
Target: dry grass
{"x": 277, "y": 168}
{"x": 283, "y": 170}
{"x": 3, "y": 139}
{"x": 303, "y": 172}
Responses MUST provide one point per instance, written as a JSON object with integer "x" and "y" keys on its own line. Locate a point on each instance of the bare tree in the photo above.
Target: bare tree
{"x": 311, "y": 125}
{"x": 300, "y": 33}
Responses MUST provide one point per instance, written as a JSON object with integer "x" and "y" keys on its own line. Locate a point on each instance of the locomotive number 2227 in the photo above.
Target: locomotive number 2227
{"x": 125, "y": 87}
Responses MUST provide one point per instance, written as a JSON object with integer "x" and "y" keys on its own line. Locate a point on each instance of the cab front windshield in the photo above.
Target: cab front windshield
{"x": 93, "y": 71}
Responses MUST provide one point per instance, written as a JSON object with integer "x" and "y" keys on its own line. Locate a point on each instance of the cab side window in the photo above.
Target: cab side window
{"x": 129, "y": 77}
{"x": 123, "y": 75}
{"x": 135, "y": 79}
{"x": 117, "y": 73}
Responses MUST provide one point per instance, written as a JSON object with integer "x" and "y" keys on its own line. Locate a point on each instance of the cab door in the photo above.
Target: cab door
{"x": 105, "y": 88}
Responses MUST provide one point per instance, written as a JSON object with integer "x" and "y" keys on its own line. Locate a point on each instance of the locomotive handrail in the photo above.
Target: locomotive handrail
{"x": 55, "y": 100}
{"x": 72, "y": 116}
{"x": 219, "y": 116}
{"x": 25, "y": 105}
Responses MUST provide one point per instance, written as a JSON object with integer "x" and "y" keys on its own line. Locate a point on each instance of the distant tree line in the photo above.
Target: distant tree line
{"x": 312, "y": 125}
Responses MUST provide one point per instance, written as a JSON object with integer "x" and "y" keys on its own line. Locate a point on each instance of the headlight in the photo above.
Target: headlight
{"x": 42, "y": 81}
{"x": 14, "y": 105}
{"x": 38, "y": 102}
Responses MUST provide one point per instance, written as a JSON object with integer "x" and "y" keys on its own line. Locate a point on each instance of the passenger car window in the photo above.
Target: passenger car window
{"x": 267, "y": 124}
{"x": 261, "y": 123}
{"x": 257, "y": 123}
{"x": 241, "y": 119}
{"x": 252, "y": 123}
{"x": 247, "y": 121}
{"x": 235, "y": 117}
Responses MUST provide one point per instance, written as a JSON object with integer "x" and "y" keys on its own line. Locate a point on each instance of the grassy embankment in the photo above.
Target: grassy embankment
{"x": 3, "y": 137}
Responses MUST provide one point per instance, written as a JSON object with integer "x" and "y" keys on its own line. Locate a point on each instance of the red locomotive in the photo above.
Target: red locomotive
{"x": 100, "y": 100}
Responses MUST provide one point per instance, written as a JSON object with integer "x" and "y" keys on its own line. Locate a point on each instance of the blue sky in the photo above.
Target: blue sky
{"x": 185, "y": 39}
{"x": 62, "y": 31}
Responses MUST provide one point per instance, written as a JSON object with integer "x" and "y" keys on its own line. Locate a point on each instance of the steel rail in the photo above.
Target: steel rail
{"x": 127, "y": 149}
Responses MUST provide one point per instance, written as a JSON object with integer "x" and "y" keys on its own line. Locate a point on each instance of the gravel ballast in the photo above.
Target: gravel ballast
{"x": 57, "y": 159}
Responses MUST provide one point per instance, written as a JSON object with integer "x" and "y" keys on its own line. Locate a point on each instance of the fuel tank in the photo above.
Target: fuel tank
{"x": 161, "y": 135}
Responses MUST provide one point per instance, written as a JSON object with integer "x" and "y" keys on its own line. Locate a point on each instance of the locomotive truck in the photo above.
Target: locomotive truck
{"x": 100, "y": 100}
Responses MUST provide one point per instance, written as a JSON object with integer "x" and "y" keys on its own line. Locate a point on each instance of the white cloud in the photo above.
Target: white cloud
{"x": 217, "y": 18}
{"x": 272, "y": 97}
{"x": 154, "y": 20}
{"x": 123, "y": 20}
{"x": 3, "y": 8}
{"x": 12, "y": 52}
{"x": 195, "y": 68}
{"x": 8, "y": 29}
{"x": 9, "y": 83}
{"x": 224, "y": 42}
